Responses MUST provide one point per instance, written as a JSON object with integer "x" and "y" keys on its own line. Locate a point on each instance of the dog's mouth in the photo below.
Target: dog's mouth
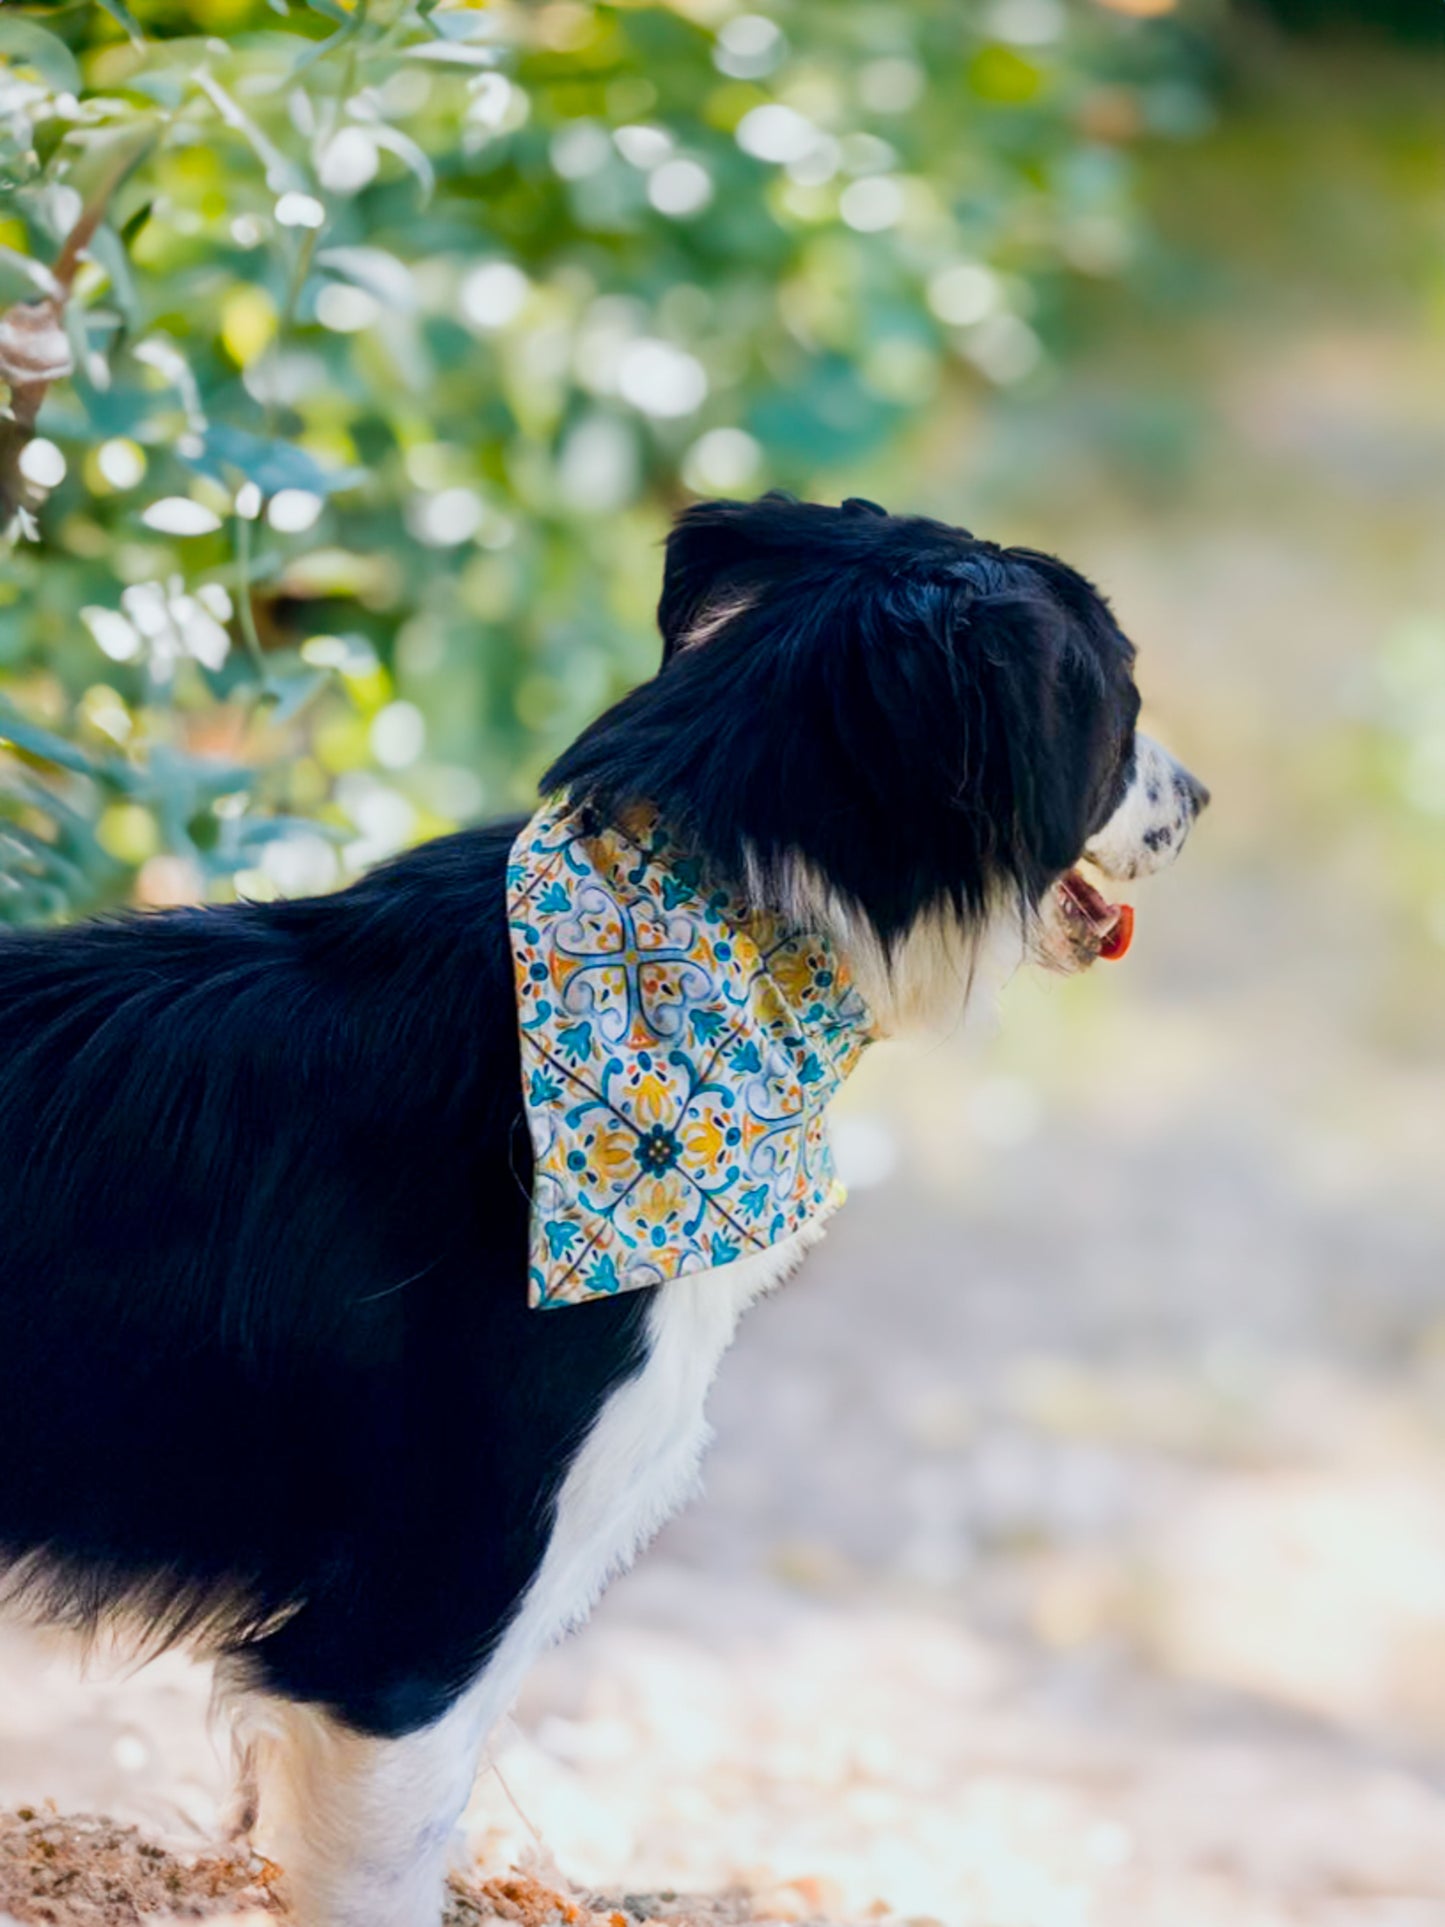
{"x": 1107, "y": 928}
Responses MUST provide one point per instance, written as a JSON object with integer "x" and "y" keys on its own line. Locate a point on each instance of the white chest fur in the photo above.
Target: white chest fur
{"x": 638, "y": 1464}
{"x": 640, "y": 1460}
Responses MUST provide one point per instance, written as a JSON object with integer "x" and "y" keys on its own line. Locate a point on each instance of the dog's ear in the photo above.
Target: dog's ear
{"x": 714, "y": 556}
{"x": 1057, "y": 691}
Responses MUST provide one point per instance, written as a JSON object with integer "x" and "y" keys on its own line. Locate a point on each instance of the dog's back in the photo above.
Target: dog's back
{"x": 263, "y": 1343}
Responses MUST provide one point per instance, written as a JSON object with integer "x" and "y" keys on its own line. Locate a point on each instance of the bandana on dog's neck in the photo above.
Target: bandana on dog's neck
{"x": 678, "y": 1053}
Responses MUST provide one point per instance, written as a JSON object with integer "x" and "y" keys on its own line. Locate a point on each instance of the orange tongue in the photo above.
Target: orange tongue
{"x": 1120, "y": 937}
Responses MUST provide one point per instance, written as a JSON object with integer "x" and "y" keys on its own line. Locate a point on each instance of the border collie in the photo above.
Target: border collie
{"x": 270, "y": 1383}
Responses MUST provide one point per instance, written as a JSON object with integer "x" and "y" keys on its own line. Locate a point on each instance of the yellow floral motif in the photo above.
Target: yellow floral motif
{"x": 679, "y": 1051}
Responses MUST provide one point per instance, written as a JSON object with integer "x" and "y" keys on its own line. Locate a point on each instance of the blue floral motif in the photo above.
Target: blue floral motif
{"x": 706, "y": 1025}
{"x": 575, "y": 1042}
{"x": 753, "y": 1203}
{"x": 603, "y": 1279}
{"x": 561, "y": 1236}
{"x": 678, "y": 1051}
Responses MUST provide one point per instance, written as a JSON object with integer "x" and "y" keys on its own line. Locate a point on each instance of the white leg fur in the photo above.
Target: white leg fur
{"x": 363, "y": 1827}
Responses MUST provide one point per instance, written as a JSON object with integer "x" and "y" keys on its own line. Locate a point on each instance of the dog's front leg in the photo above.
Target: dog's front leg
{"x": 361, "y": 1827}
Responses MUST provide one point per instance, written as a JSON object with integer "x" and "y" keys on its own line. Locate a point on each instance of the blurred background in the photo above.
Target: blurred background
{"x": 1073, "y": 1549}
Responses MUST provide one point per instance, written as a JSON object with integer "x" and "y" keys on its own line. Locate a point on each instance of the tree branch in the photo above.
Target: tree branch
{"x": 35, "y": 349}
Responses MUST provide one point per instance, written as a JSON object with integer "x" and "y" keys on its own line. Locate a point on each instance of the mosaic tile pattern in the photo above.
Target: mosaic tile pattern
{"x": 678, "y": 1055}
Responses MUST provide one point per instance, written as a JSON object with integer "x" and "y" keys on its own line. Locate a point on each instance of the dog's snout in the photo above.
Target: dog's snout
{"x": 1153, "y": 818}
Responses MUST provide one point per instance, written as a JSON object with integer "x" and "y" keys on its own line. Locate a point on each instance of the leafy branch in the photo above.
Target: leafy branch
{"x": 34, "y": 345}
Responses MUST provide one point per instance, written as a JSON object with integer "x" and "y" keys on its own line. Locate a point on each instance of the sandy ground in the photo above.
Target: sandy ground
{"x": 85, "y": 1871}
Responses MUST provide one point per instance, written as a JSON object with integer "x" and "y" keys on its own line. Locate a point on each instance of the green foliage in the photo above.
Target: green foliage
{"x": 1417, "y": 20}
{"x": 407, "y": 324}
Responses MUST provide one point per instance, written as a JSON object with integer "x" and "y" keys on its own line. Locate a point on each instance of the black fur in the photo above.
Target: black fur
{"x": 264, "y": 1344}
{"x": 929, "y": 719}
{"x": 267, "y": 1373}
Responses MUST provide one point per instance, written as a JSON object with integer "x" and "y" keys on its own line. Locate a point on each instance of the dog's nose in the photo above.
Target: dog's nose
{"x": 1196, "y": 794}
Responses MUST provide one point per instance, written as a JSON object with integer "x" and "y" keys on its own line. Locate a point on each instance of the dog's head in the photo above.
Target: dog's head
{"x": 887, "y": 724}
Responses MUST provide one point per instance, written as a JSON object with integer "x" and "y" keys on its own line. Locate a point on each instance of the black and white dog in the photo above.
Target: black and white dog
{"x": 269, "y": 1382}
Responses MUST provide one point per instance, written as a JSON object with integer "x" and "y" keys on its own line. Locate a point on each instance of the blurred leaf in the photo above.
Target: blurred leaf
{"x": 375, "y": 270}
{"x": 253, "y": 833}
{"x": 409, "y": 154}
{"x": 42, "y": 744}
{"x": 28, "y": 44}
{"x": 272, "y": 465}
{"x": 167, "y": 90}
{"x": 107, "y": 251}
{"x": 124, "y": 19}
{"x": 291, "y": 693}
{"x": 99, "y": 158}
{"x": 22, "y": 279}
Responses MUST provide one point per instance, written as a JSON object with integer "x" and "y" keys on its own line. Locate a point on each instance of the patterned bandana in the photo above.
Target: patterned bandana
{"x": 678, "y": 1053}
